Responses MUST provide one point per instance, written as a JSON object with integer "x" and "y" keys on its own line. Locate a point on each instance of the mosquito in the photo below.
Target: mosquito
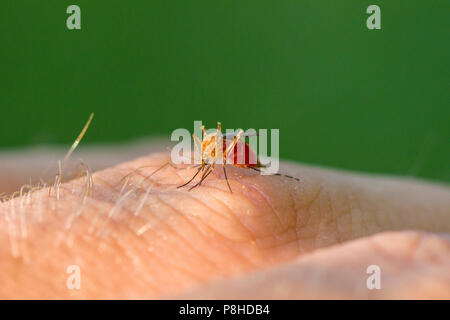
{"x": 217, "y": 146}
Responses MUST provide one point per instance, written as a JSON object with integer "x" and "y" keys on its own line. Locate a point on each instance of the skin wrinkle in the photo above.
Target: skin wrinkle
{"x": 245, "y": 261}
{"x": 101, "y": 231}
{"x": 98, "y": 206}
{"x": 169, "y": 266}
{"x": 385, "y": 253}
{"x": 306, "y": 212}
{"x": 159, "y": 221}
{"x": 383, "y": 217}
{"x": 350, "y": 216}
{"x": 297, "y": 236}
{"x": 442, "y": 243}
{"x": 419, "y": 243}
{"x": 127, "y": 250}
{"x": 308, "y": 206}
{"x": 251, "y": 208}
{"x": 153, "y": 284}
{"x": 326, "y": 220}
{"x": 219, "y": 187}
{"x": 264, "y": 196}
{"x": 339, "y": 224}
{"x": 316, "y": 226}
{"x": 152, "y": 257}
{"x": 378, "y": 219}
{"x": 236, "y": 254}
{"x": 235, "y": 218}
{"x": 408, "y": 262}
{"x": 355, "y": 214}
{"x": 229, "y": 238}
{"x": 287, "y": 229}
{"x": 110, "y": 200}
{"x": 337, "y": 218}
{"x": 124, "y": 215}
{"x": 241, "y": 257}
{"x": 274, "y": 234}
{"x": 296, "y": 210}
{"x": 420, "y": 267}
{"x": 231, "y": 198}
{"x": 221, "y": 235}
{"x": 185, "y": 218}
{"x": 432, "y": 256}
{"x": 363, "y": 216}
{"x": 415, "y": 246}
{"x": 192, "y": 246}
{"x": 338, "y": 211}
{"x": 217, "y": 212}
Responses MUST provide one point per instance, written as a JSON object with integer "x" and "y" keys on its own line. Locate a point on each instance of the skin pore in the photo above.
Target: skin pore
{"x": 273, "y": 237}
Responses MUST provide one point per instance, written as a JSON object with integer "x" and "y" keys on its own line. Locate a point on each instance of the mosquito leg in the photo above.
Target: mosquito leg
{"x": 285, "y": 175}
{"x": 133, "y": 172}
{"x": 154, "y": 172}
{"x": 198, "y": 143}
{"x": 226, "y": 178}
{"x": 190, "y": 180}
{"x": 206, "y": 174}
{"x": 277, "y": 174}
{"x": 232, "y": 144}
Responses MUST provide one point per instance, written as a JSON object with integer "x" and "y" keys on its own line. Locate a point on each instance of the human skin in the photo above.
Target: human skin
{"x": 273, "y": 237}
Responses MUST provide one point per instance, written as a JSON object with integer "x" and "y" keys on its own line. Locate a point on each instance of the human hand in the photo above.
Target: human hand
{"x": 273, "y": 237}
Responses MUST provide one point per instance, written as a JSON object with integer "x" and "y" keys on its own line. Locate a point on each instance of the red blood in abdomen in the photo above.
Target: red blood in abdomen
{"x": 248, "y": 159}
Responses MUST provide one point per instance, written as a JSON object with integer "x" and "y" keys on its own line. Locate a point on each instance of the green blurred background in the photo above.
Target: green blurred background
{"x": 341, "y": 95}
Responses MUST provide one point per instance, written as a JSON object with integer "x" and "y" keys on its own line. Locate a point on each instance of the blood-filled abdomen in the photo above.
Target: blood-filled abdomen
{"x": 241, "y": 155}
